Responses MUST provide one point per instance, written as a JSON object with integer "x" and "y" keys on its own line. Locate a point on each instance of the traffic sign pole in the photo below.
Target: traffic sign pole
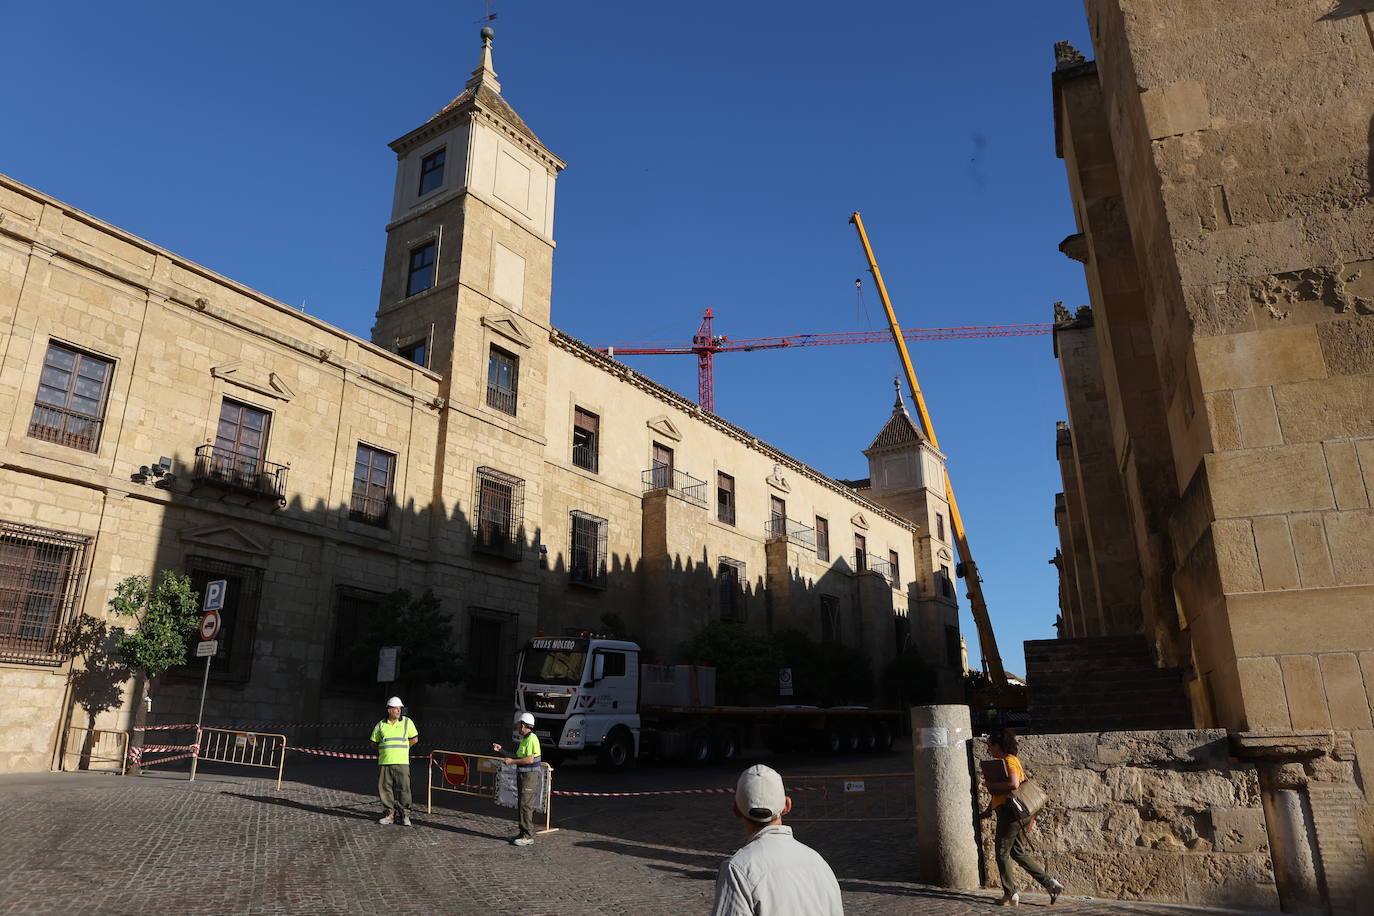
{"x": 209, "y": 628}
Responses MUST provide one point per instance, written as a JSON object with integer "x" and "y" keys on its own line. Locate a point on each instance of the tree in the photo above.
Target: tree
{"x": 166, "y": 615}
{"x": 746, "y": 662}
{"x": 421, "y": 630}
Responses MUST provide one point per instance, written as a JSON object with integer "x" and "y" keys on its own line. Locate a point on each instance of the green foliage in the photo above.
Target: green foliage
{"x": 419, "y": 626}
{"x": 165, "y": 615}
{"x": 747, "y": 665}
{"x": 746, "y": 662}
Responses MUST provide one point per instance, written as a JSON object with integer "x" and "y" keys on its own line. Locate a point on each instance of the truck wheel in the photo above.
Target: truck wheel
{"x": 726, "y": 745}
{"x": 699, "y": 747}
{"x": 851, "y": 740}
{"x": 617, "y": 752}
{"x": 883, "y": 737}
{"x": 832, "y": 741}
{"x": 868, "y": 740}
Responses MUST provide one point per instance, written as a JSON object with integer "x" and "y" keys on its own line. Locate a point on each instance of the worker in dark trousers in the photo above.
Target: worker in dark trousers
{"x": 527, "y": 763}
{"x": 393, "y": 737}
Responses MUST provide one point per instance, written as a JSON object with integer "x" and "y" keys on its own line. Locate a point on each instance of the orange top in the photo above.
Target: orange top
{"x": 1015, "y": 769}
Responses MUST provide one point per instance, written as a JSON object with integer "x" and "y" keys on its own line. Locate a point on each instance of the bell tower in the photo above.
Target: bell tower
{"x": 469, "y": 250}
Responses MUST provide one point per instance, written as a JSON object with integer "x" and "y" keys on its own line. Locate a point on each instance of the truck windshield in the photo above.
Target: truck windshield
{"x": 553, "y": 666}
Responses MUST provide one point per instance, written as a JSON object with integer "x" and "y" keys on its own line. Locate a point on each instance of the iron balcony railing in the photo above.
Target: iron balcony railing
{"x": 584, "y": 456}
{"x": 663, "y": 477}
{"x": 65, "y": 427}
{"x": 880, "y": 566}
{"x": 503, "y": 399}
{"x": 370, "y": 510}
{"x": 242, "y": 473}
{"x": 779, "y": 528}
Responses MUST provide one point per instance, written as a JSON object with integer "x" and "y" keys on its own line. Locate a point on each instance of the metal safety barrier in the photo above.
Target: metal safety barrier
{"x": 96, "y": 745}
{"x": 251, "y": 749}
{"x": 861, "y": 797}
{"x": 477, "y": 775}
{"x": 138, "y": 754}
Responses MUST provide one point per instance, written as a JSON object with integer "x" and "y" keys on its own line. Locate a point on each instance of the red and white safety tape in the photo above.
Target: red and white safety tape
{"x": 136, "y": 753}
{"x": 324, "y": 753}
{"x": 150, "y": 763}
{"x": 674, "y": 792}
{"x": 158, "y": 728}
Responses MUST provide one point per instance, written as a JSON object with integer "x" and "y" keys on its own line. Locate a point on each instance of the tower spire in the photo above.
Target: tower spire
{"x": 484, "y": 74}
{"x": 900, "y": 406}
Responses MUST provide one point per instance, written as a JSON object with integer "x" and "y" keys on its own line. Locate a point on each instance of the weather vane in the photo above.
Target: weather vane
{"x": 490, "y": 14}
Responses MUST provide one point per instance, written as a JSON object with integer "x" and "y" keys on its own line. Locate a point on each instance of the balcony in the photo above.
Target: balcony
{"x": 502, "y": 398}
{"x": 369, "y": 510}
{"x": 65, "y": 427}
{"x": 585, "y": 457}
{"x": 875, "y": 564}
{"x": 778, "y": 528}
{"x": 239, "y": 473}
{"x": 663, "y": 477}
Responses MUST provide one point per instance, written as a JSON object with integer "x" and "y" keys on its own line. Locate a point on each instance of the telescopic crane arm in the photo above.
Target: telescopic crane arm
{"x": 986, "y": 640}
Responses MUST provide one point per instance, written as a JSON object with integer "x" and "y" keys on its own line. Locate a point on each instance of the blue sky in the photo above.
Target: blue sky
{"x": 715, "y": 153}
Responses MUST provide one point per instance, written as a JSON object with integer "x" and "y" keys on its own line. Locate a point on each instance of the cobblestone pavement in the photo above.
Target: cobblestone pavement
{"x": 77, "y": 843}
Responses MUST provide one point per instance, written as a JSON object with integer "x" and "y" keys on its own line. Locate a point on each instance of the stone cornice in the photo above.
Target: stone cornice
{"x": 56, "y": 246}
{"x": 626, "y": 374}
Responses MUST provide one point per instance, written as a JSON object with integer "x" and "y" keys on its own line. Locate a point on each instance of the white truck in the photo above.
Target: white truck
{"x": 590, "y": 695}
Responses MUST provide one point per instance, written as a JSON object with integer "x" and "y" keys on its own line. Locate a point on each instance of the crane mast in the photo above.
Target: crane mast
{"x": 986, "y": 640}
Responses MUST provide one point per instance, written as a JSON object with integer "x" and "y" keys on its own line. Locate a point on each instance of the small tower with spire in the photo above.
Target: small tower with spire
{"x": 469, "y": 252}
{"x": 907, "y": 477}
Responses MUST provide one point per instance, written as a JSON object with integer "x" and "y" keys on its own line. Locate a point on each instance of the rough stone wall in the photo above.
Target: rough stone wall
{"x": 1155, "y": 815}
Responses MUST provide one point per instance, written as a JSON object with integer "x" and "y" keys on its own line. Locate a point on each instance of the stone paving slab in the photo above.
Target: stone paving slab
{"x": 85, "y": 843}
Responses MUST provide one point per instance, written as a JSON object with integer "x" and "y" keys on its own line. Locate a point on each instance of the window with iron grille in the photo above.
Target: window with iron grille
{"x": 238, "y": 618}
{"x": 939, "y": 526}
{"x": 40, "y": 584}
{"x": 730, "y": 578}
{"x": 372, "y": 477}
{"x": 431, "y": 172}
{"x": 946, "y": 582}
{"x": 490, "y": 647}
{"x": 500, "y": 501}
{"x": 503, "y": 376}
{"x": 725, "y": 498}
{"x": 860, "y": 553}
{"x": 349, "y": 668}
{"x": 587, "y": 552}
{"x": 586, "y": 439}
{"x": 896, "y": 569}
{"x": 420, "y": 276}
{"x": 822, "y": 539}
{"x": 830, "y": 618}
{"x": 69, "y": 408}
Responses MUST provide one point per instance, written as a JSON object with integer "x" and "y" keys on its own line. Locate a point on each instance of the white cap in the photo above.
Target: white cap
{"x": 527, "y": 718}
{"x": 759, "y": 794}
{"x": 395, "y": 701}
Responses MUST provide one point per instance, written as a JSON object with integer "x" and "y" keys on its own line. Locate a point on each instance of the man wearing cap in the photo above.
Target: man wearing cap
{"x": 526, "y": 761}
{"x": 393, "y": 737}
{"x": 772, "y": 874}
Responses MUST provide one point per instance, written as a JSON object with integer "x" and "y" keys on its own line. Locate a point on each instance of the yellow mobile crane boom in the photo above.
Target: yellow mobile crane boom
{"x": 986, "y": 640}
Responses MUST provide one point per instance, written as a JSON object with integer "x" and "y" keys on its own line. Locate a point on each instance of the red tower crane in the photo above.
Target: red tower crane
{"x": 706, "y": 344}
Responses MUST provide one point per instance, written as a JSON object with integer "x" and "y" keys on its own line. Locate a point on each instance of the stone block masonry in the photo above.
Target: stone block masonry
{"x": 1146, "y": 815}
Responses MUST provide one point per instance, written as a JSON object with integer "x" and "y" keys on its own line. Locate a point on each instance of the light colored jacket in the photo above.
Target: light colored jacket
{"x": 775, "y": 875}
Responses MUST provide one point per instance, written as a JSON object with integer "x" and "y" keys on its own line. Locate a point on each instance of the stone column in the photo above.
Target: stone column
{"x": 947, "y": 853}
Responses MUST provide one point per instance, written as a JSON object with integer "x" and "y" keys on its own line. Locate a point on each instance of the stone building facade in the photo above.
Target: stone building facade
{"x": 1219, "y": 454}
{"x": 157, "y": 416}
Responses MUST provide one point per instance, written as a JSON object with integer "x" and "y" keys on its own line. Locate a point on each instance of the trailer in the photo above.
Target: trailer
{"x": 591, "y": 696}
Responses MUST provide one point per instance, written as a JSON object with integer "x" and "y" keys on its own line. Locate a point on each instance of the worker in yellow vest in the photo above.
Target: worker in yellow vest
{"x": 393, "y": 737}
{"x": 527, "y": 763}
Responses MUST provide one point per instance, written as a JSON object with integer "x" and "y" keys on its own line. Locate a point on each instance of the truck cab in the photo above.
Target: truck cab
{"x": 584, "y": 695}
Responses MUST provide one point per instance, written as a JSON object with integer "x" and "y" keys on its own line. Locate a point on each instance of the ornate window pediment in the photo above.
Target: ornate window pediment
{"x": 224, "y": 537}
{"x": 508, "y": 328}
{"x": 665, "y": 427}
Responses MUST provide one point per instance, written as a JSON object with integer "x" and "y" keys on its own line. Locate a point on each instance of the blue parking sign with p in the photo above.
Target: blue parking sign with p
{"x": 214, "y": 595}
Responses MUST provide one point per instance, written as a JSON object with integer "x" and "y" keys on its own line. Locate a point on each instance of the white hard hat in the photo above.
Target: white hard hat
{"x": 527, "y": 718}
{"x": 395, "y": 701}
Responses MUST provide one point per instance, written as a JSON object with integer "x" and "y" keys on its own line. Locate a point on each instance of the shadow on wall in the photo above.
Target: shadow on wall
{"x": 305, "y": 579}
